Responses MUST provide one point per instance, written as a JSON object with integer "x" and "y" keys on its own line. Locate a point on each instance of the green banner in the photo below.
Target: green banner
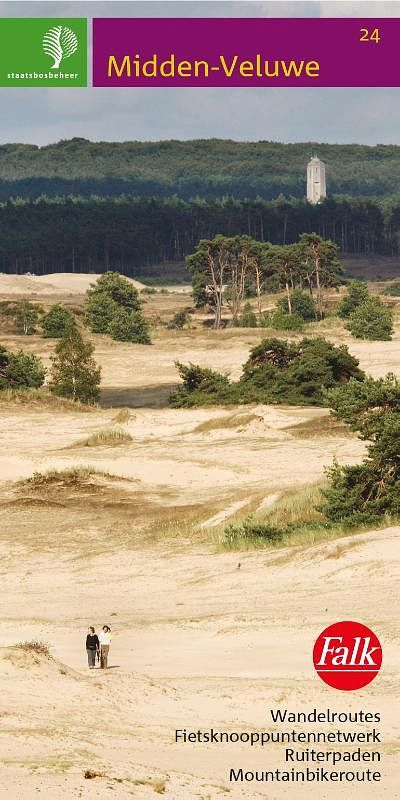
{"x": 43, "y": 52}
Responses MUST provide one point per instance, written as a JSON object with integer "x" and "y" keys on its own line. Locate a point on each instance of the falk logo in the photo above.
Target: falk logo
{"x": 59, "y": 43}
{"x": 347, "y": 655}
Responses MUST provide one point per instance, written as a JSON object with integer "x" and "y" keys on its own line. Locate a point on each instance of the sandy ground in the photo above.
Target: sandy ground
{"x": 65, "y": 283}
{"x": 201, "y": 638}
{"x": 198, "y": 643}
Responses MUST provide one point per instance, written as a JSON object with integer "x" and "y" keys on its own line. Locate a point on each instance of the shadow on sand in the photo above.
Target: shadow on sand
{"x": 137, "y": 396}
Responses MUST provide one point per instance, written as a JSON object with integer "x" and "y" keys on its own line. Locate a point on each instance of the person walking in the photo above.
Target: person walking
{"x": 105, "y": 641}
{"x": 92, "y": 647}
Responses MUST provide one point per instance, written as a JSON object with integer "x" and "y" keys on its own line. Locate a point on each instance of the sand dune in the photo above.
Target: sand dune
{"x": 197, "y": 642}
{"x": 58, "y": 283}
{"x": 201, "y": 637}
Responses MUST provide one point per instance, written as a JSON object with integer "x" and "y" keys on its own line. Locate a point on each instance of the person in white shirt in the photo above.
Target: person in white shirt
{"x": 105, "y": 641}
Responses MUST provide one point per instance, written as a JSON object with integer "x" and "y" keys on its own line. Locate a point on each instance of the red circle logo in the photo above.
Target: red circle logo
{"x": 347, "y": 655}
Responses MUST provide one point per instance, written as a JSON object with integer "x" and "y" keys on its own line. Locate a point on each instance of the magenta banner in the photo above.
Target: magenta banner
{"x": 246, "y": 52}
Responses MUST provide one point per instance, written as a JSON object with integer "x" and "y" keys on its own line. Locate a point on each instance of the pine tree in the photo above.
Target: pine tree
{"x": 371, "y": 320}
{"x": 356, "y": 294}
{"x": 319, "y": 265}
{"x": 359, "y": 493}
{"x": 74, "y": 372}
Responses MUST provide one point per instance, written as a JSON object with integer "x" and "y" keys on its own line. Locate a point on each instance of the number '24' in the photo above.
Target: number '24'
{"x": 369, "y": 36}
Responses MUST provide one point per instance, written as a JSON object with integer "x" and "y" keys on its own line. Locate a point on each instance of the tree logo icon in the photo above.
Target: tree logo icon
{"x": 59, "y": 42}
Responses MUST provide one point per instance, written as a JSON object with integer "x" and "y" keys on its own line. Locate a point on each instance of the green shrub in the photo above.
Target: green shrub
{"x": 247, "y": 318}
{"x": 113, "y": 307}
{"x": 367, "y": 491}
{"x": 118, "y": 288}
{"x": 201, "y": 386}
{"x": 347, "y": 496}
{"x": 281, "y": 321}
{"x": 274, "y": 352}
{"x": 371, "y": 320}
{"x": 20, "y": 370}
{"x": 356, "y": 294}
{"x": 251, "y": 531}
{"x": 99, "y": 312}
{"x": 279, "y": 371}
{"x": 302, "y": 304}
{"x": 55, "y": 321}
{"x": 179, "y": 320}
{"x": 275, "y": 372}
{"x": 129, "y": 326}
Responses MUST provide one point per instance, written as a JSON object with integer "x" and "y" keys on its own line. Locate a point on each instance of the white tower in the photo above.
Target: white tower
{"x": 316, "y": 184}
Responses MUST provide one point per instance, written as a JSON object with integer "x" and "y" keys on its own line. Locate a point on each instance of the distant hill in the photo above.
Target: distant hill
{"x": 88, "y": 206}
{"x": 206, "y": 168}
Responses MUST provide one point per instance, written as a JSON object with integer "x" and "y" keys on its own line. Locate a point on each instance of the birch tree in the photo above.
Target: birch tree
{"x": 74, "y": 372}
{"x": 26, "y": 317}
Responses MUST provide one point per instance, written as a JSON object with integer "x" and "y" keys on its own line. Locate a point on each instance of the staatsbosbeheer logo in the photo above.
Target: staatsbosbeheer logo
{"x": 347, "y": 655}
{"x": 59, "y": 43}
{"x": 43, "y": 51}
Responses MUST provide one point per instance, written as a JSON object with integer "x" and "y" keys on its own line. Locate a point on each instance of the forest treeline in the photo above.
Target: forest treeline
{"x": 209, "y": 168}
{"x": 132, "y": 234}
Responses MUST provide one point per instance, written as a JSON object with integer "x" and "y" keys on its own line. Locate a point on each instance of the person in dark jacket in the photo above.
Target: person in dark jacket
{"x": 92, "y": 647}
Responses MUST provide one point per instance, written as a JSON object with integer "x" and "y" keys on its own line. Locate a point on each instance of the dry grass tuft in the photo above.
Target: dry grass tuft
{"x": 299, "y": 524}
{"x": 293, "y": 516}
{"x": 296, "y": 508}
{"x": 233, "y": 421}
{"x": 159, "y": 786}
{"x": 35, "y": 646}
{"x": 124, "y": 415}
{"x": 40, "y": 398}
{"x": 340, "y": 549}
{"x": 89, "y": 774}
{"x": 320, "y": 426}
{"x": 72, "y": 477}
{"x": 108, "y": 436}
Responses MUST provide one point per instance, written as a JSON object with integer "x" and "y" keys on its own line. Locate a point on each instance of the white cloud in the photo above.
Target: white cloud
{"x": 332, "y": 115}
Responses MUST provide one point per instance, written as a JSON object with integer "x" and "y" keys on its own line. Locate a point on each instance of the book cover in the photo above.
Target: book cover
{"x": 199, "y": 400}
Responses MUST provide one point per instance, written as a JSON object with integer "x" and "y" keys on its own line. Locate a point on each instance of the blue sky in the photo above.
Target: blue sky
{"x": 40, "y": 116}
